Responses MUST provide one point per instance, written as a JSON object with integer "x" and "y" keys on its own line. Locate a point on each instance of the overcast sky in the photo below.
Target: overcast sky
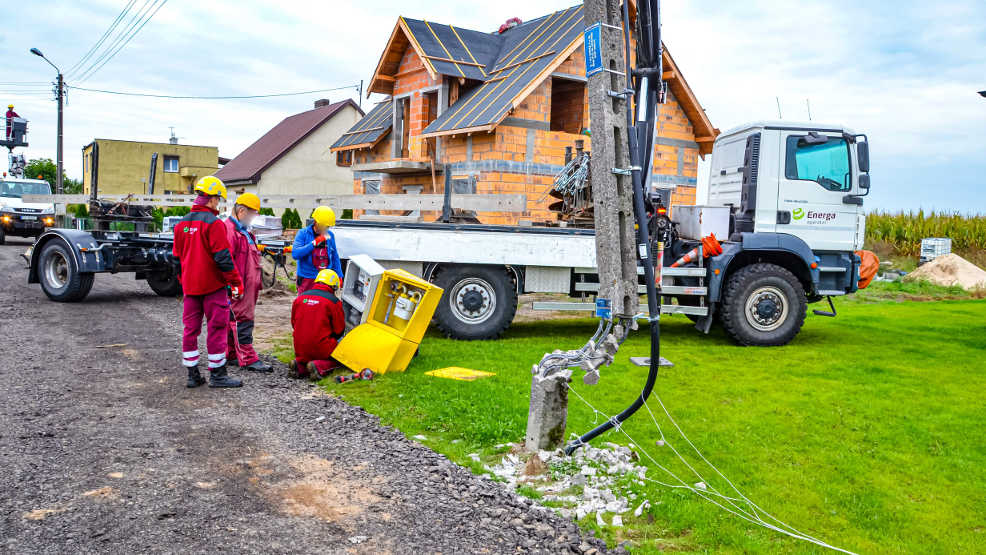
{"x": 905, "y": 73}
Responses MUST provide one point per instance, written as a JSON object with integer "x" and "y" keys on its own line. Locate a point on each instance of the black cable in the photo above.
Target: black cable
{"x": 102, "y": 39}
{"x": 639, "y": 158}
{"x": 128, "y": 27}
{"x": 190, "y": 97}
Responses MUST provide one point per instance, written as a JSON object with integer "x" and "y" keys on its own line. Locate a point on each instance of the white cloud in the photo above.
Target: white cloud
{"x": 904, "y": 73}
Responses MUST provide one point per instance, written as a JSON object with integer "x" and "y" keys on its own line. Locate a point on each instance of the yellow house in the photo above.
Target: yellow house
{"x": 121, "y": 167}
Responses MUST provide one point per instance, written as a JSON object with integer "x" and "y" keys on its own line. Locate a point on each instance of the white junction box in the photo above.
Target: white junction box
{"x": 696, "y": 222}
{"x": 358, "y": 288}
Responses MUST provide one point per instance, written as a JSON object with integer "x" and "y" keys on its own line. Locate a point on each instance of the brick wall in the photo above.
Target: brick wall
{"x": 522, "y": 155}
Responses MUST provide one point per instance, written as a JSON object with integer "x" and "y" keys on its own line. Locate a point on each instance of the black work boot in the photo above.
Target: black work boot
{"x": 194, "y": 378}
{"x": 219, "y": 378}
{"x": 258, "y": 366}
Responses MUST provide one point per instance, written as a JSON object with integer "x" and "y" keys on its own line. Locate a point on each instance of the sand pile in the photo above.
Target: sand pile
{"x": 950, "y": 269}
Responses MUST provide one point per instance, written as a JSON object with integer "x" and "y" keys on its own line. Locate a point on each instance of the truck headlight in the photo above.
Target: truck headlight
{"x": 48, "y": 211}
{"x": 6, "y": 210}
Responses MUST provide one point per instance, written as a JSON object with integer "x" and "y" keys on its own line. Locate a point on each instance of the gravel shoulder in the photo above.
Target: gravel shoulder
{"x": 103, "y": 449}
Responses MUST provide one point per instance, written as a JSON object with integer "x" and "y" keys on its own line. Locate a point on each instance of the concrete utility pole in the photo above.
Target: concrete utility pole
{"x": 60, "y": 93}
{"x": 611, "y": 179}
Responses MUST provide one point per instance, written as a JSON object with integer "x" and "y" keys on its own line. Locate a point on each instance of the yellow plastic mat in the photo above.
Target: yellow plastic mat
{"x": 461, "y": 374}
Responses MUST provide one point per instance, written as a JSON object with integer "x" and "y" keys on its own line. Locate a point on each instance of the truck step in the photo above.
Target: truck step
{"x": 832, "y": 292}
{"x": 645, "y": 361}
{"x": 684, "y": 290}
{"x": 681, "y": 309}
{"x": 832, "y": 269}
{"x": 685, "y": 272}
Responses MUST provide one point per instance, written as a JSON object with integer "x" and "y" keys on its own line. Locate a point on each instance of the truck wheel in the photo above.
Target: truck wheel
{"x": 763, "y": 304}
{"x": 165, "y": 284}
{"x": 479, "y": 301}
{"x": 60, "y": 277}
{"x": 3, "y": 237}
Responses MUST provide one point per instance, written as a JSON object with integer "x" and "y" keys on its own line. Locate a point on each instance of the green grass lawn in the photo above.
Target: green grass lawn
{"x": 866, "y": 431}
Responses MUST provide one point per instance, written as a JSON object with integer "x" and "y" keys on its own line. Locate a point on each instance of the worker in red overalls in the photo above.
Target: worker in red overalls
{"x": 11, "y": 114}
{"x": 318, "y": 322}
{"x": 206, "y": 270}
{"x": 246, "y": 257}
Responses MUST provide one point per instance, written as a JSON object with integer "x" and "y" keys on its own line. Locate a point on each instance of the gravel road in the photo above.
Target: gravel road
{"x": 103, "y": 449}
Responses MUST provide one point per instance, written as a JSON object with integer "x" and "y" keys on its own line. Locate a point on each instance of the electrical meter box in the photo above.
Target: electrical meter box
{"x": 398, "y": 316}
{"x": 359, "y": 286}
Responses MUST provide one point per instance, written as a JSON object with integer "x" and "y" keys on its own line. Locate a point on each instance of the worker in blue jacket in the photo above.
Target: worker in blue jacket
{"x": 315, "y": 249}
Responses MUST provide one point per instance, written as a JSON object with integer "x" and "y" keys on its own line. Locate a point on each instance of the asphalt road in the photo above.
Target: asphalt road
{"x": 103, "y": 449}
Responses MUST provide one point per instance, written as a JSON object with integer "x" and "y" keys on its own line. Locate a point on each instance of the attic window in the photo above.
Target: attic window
{"x": 344, "y": 158}
{"x": 567, "y": 105}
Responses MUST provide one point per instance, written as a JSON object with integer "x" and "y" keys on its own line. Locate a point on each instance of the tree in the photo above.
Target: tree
{"x": 44, "y": 168}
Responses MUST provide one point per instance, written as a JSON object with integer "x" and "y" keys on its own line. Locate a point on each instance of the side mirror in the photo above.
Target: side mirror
{"x": 864, "y": 181}
{"x": 863, "y": 156}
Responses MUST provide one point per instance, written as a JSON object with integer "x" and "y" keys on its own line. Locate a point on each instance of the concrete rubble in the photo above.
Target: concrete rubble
{"x": 593, "y": 480}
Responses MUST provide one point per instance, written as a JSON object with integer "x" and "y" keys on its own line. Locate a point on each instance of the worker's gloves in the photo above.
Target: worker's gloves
{"x": 319, "y": 240}
{"x": 235, "y": 292}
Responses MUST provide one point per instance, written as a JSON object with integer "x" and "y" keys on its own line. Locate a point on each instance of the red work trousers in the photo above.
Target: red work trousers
{"x": 214, "y": 307}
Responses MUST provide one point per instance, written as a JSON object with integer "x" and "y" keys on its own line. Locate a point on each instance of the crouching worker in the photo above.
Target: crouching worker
{"x": 206, "y": 270}
{"x": 315, "y": 249}
{"x": 318, "y": 322}
{"x": 246, "y": 258}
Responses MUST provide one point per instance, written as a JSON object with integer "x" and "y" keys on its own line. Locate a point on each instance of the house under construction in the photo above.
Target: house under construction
{"x": 498, "y": 110}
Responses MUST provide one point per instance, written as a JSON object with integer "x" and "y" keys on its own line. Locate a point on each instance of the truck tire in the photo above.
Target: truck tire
{"x": 165, "y": 284}
{"x": 763, "y": 304}
{"x": 3, "y": 237}
{"x": 479, "y": 301}
{"x": 60, "y": 278}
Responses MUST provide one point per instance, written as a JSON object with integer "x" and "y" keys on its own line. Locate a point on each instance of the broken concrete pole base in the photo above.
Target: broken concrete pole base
{"x": 548, "y": 411}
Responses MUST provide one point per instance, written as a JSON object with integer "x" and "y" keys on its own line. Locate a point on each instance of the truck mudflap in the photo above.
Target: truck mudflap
{"x": 82, "y": 245}
{"x": 767, "y": 242}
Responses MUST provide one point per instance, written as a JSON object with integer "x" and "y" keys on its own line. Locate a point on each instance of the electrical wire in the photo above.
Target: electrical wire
{"x": 115, "y": 40}
{"x": 94, "y": 68}
{"x": 709, "y": 494}
{"x": 102, "y": 39}
{"x": 192, "y": 97}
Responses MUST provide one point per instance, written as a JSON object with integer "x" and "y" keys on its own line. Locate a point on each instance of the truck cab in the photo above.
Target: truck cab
{"x": 24, "y": 219}
{"x": 794, "y": 195}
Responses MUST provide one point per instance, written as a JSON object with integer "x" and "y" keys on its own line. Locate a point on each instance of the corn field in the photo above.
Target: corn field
{"x": 904, "y": 231}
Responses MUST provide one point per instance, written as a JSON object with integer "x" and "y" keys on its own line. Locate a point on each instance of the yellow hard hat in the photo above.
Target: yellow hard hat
{"x": 249, "y": 200}
{"x": 212, "y": 186}
{"x": 10, "y": 105}
{"x": 324, "y": 216}
{"x": 328, "y": 277}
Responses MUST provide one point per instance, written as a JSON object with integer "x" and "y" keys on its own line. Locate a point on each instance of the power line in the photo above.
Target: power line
{"x": 102, "y": 39}
{"x": 129, "y": 26}
{"x": 23, "y": 83}
{"x": 94, "y": 68}
{"x": 192, "y": 97}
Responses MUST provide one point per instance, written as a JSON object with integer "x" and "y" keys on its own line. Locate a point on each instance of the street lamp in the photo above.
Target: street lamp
{"x": 61, "y": 96}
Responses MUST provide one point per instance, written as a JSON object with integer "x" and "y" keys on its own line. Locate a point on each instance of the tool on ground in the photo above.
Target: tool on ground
{"x": 710, "y": 247}
{"x": 365, "y": 374}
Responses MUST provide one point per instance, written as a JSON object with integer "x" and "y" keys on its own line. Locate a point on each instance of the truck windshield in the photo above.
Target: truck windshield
{"x": 826, "y": 164}
{"x": 14, "y": 189}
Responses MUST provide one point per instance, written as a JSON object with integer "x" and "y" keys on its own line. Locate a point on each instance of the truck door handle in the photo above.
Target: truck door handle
{"x": 783, "y": 217}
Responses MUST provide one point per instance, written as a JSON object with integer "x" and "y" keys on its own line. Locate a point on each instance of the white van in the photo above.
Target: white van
{"x": 24, "y": 219}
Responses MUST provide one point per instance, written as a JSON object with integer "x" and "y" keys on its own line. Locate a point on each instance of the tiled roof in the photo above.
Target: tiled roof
{"x": 275, "y": 143}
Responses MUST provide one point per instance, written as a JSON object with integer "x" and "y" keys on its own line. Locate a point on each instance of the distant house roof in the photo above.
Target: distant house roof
{"x": 368, "y": 131}
{"x": 509, "y": 65}
{"x": 247, "y": 167}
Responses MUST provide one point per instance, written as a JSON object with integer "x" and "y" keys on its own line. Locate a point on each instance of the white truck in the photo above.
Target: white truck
{"x": 24, "y": 219}
{"x": 790, "y": 201}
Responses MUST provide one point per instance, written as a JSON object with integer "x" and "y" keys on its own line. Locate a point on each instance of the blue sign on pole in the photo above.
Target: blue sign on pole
{"x": 604, "y": 309}
{"x": 593, "y": 54}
